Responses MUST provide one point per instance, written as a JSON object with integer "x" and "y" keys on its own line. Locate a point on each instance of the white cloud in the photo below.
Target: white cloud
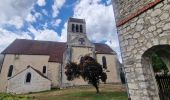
{"x": 63, "y": 37}
{"x": 14, "y": 8}
{"x": 17, "y": 22}
{"x": 57, "y": 6}
{"x": 30, "y": 18}
{"x": 99, "y": 19}
{"x": 41, "y": 2}
{"x": 100, "y": 23}
{"x": 46, "y": 34}
{"x": 8, "y": 37}
{"x": 56, "y": 22}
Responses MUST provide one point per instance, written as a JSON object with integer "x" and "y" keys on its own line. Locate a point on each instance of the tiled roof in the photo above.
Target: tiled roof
{"x": 103, "y": 49}
{"x": 54, "y": 49}
{"x": 33, "y": 47}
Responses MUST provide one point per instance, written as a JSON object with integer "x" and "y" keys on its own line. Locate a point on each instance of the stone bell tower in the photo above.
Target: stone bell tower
{"x": 78, "y": 45}
{"x": 77, "y": 38}
{"x": 76, "y": 28}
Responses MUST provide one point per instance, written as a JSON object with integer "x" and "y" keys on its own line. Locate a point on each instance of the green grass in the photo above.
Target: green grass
{"x": 107, "y": 92}
{"x": 90, "y": 96}
{"x": 5, "y": 96}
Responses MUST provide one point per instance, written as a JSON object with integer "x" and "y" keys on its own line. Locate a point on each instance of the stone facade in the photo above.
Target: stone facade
{"x": 18, "y": 84}
{"x": 113, "y": 75}
{"x": 136, "y": 36}
{"x": 20, "y": 62}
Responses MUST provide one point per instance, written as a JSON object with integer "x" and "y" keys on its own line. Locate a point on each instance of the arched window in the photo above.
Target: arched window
{"x": 10, "y": 70}
{"x": 104, "y": 62}
{"x": 44, "y": 69}
{"x": 73, "y": 27}
{"x": 77, "y": 28}
{"x": 81, "y": 28}
{"x": 28, "y": 78}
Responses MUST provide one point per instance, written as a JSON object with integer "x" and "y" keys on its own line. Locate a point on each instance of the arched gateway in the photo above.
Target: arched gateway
{"x": 143, "y": 29}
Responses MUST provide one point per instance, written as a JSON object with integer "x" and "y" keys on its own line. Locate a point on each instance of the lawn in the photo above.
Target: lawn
{"x": 107, "y": 92}
{"x": 5, "y": 96}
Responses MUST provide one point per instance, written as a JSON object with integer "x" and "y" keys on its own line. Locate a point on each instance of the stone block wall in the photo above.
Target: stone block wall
{"x": 136, "y": 36}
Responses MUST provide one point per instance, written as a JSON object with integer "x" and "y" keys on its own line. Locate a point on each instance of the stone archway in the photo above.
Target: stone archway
{"x": 163, "y": 51}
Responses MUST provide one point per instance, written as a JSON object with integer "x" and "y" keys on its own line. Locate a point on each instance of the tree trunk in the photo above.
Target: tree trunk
{"x": 97, "y": 88}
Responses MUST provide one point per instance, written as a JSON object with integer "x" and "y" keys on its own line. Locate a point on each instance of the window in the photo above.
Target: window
{"x": 81, "y": 28}
{"x": 77, "y": 28}
{"x": 104, "y": 62}
{"x": 73, "y": 27}
{"x": 28, "y": 78}
{"x": 10, "y": 70}
{"x": 44, "y": 69}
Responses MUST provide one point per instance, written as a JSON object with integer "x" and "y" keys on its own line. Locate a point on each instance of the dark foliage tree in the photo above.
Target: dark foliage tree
{"x": 158, "y": 64}
{"x": 89, "y": 69}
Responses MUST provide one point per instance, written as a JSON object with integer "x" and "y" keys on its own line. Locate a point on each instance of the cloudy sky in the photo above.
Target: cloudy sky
{"x": 47, "y": 20}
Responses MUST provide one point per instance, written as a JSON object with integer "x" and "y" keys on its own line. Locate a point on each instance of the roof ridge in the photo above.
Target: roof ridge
{"x": 40, "y": 40}
{"x": 33, "y": 69}
{"x": 52, "y": 48}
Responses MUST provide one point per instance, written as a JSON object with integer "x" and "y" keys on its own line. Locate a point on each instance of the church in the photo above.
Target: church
{"x": 33, "y": 65}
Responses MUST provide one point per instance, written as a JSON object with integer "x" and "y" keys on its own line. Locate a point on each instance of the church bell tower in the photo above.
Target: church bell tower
{"x": 76, "y": 32}
{"x": 77, "y": 38}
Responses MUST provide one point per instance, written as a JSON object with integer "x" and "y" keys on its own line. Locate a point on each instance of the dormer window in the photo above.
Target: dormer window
{"x": 77, "y": 28}
{"x": 81, "y": 28}
{"x": 73, "y": 27}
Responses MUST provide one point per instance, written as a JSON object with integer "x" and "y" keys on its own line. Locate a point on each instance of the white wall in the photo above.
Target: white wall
{"x": 18, "y": 85}
{"x": 112, "y": 67}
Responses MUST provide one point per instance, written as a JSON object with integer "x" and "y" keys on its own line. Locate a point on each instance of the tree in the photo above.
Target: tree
{"x": 89, "y": 69}
{"x": 158, "y": 64}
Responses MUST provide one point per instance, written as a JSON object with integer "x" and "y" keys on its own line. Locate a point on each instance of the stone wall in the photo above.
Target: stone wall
{"x": 1, "y": 61}
{"x": 76, "y": 54}
{"x": 18, "y": 85}
{"x": 128, "y": 7}
{"x": 136, "y": 36}
{"x": 113, "y": 75}
{"x": 54, "y": 74}
{"x": 20, "y": 62}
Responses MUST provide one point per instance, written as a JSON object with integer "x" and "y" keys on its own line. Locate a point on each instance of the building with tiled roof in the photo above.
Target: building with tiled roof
{"x": 47, "y": 59}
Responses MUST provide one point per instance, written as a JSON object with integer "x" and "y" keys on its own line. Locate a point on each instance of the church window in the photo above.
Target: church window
{"x": 28, "y": 78}
{"x": 81, "y": 28}
{"x": 77, "y": 28}
{"x": 73, "y": 27}
{"x": 44, "y": 69}
{"x": 104, "y": 62}
{"x": 10, "y": 70}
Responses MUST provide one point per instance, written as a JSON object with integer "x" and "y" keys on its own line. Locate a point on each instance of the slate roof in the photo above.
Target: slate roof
{"x": 54, "y": 49}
